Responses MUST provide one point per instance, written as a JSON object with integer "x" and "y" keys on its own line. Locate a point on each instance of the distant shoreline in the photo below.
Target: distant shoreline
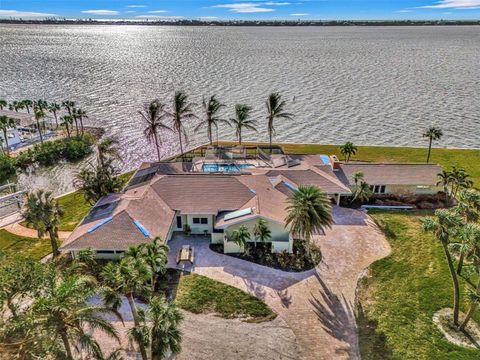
{"x": 240, "y": 23}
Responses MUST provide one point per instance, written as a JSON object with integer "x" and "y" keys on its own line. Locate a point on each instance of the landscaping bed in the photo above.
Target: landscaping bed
{"x": 261, "y": 254}
{"x": 201, "y": 295}
{"x": 401, "y": 294}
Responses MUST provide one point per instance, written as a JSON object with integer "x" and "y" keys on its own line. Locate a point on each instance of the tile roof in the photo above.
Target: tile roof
{"x": 201, "y": 193}
{"x": 327, "y": 183}
{"x": 117, "y": 234}
{"x": 394, "y": 174}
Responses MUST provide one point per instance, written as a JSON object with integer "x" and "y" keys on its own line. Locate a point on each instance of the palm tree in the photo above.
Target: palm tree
{"x": 65, "y": 313}
{"x": 347, "y": 150}
{"x": 182, "y": 111}
{"x": 16, "y": 105}
{"x": 242, "y": 120}
{"x": 275, "y": 110}
{"x": 3, "y": 104}
{"x": 153, "y": 115}
{"x": 309, "y": 212}
{"x": 443, "y": 227}
{"x": 107, "y": 149}
{"x": 5, "y": 124}
{"x": 240, "y": 237}
{"x": 39, "y": 115}
{"x": 165, "y": 321}
{"x": 357, "y": 177}
{"x": 43, "y": 213}
{"x": 27, "y": 104}
{"x": 54, "y": 108}
{"x": 80, "y": 114}
{"x": 261, "y": 232}
{"x": 128, "y": 277}
{"x": 67, "y": 120}
{"x": 362, "y": 192}
{"x": 70, "y": 107}
{"x": 468, "y": 208}
{"x": 155, "y": 255}
{"x": 212, "y": 108}
{"x": 433, "y": 134}
{"x": 459, "y": 179}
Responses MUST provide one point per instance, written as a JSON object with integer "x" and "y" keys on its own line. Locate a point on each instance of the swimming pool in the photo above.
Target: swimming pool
{"x": 224, "y": 167}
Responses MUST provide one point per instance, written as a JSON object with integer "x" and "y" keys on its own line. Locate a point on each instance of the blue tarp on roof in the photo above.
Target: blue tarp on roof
{"x": 141, "y": 228}
{"x": 95, "y": 227}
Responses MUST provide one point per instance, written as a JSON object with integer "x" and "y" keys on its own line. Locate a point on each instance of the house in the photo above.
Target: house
{"x": 24, "y": 127}
{"x": 168, "y": 197}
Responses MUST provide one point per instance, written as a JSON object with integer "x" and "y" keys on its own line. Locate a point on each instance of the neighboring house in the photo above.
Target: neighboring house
{"x": 163, "y": 198}
{"x": 24, "y": 122}
{"x": 398, "y": 179}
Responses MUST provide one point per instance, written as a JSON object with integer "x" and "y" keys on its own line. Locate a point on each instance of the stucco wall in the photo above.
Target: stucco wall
{"x": 278, "y": 232}
{"x": 200, "y": 228}
{"x": 217, "y": 238}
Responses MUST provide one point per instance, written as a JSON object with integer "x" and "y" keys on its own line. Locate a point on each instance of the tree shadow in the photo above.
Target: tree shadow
{"x": 337, "y": 318}
{"x": 285, "y": 297}
{"x": 254, "y": 288}
{"x": 372, "y": 342}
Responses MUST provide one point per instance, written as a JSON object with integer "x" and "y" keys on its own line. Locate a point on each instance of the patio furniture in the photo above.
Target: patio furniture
{"x": 187, "y": 254}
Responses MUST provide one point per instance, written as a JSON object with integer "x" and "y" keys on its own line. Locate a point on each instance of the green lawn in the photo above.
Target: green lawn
{"x": 11, "y": 245}
{"x": 199, "y": 294}
{"x": 403, "y": 292}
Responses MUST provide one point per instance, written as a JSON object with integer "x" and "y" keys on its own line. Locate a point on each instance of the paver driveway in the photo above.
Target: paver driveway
{"x": 317, "y": 304}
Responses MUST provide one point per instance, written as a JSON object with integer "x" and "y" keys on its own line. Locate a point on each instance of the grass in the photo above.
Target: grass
{"x": 398, "y": 300}
{"x": 201, "y": 295}
{"x": 12, "y": 244}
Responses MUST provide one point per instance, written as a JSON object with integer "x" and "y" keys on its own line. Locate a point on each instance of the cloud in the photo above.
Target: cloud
{"x": 157, "y": 11}
{"x": 453, "y": 4}
{"x": 403, "y": 11}
{"x": 244, "y": 8}
{"x": 300, "y": 14}
{"x": 100, "y": 12}
{"x": 24, "y": 14}
{"x": 273, "y": 3}
{"x": 159, "y": 17}
{"x": 136, "y": 6}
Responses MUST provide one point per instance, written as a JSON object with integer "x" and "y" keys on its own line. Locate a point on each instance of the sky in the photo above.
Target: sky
{"x": 248, "y": 9}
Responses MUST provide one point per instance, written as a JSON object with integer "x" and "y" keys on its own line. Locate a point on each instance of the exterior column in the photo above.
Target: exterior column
{"x": 338, "y": 199}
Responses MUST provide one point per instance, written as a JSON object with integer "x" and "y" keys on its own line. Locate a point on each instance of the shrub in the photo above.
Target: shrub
{"x": 7, "y": 168}
{"x": 51, "y": 152}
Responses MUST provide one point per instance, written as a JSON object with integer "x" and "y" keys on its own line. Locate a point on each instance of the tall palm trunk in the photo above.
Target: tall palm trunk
{"x": 66, "y": 343}
{"x": 471, "y": 310}
{"x": 56, "y": 118}
{"x": 53, "y": 241}
{"x": 209, "y": 133}
{"x": 40, "y": 131}
{"x": 157, "y": 146}
{"x": 456, "y": 289}
{"x": 180, "y": 140}
{"x": 5, "y": 136}
{"x": 81, "y": 125}
{"x": 429, "y": 149}
{"x": 76, "y": 125}
{"x": 133, "y": 307}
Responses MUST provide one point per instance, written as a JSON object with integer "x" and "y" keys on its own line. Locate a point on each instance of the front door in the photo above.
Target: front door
{"x": 179, "y": 222}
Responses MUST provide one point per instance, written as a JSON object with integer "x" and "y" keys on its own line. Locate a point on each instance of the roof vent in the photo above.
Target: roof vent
{"x": 95, "y": 227}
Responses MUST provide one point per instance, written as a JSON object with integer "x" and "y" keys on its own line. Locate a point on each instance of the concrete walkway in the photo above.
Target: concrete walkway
{"x": 317, "y": 304}
{"x": 20, "y": 230}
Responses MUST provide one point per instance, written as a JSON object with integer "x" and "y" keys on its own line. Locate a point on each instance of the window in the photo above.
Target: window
{"x": 204, "y": 221}
{"x": 196, "y": 220}
{"x": 105, "y": 251}
{"x": 378, "y": 189}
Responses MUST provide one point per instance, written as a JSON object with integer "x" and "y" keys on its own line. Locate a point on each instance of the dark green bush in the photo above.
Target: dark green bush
{"x": 51, "y": 152}
{"x": 7, "y": 168}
